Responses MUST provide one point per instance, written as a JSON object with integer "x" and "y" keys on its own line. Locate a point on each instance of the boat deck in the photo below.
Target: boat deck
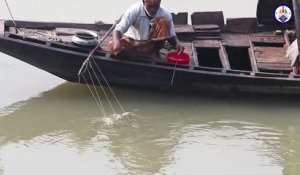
{"x": 238, "y": 45}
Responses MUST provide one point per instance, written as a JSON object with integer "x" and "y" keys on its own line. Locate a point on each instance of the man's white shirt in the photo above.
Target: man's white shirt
{"x": 135, "y": 23}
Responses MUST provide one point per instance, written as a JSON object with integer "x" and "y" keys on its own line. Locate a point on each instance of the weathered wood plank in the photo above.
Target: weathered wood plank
{"x": 263, "y": 34}
{"x": 207, "y": 43}
{"x": 273, "y": 39}
{"x": 67, "y": 31}
{"x": 280, "y": 55}
{"x": 180, "y": 18}
{"x": 278, "y": 65}
{"x": 251, "y": 53}
{"x": 239, "y": 40}
{"x": 208, "y": 18}
{"x": 271, "y": 55}
{"x": 275, "y": 58}
{"x": 47, "y": 25}
{"x": 270, "y": 49}
{"x": 207, "y": 38}
{"x": 275, "y": 66}
{"x": 271, "y": 60}
{"x": 241, "y": 25}
{"x": 224, "y": 57}
{"x": 184, "y": 29}
{"x": 195, "y": 55}
{"x": 206, "y": 27}
{"x": 208, "y": 33}
{"x": 185, "y": 32}
{"x": 277, "y": 53}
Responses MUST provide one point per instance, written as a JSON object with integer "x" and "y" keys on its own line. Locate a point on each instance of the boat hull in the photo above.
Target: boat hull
{"x": 118, "y": 72}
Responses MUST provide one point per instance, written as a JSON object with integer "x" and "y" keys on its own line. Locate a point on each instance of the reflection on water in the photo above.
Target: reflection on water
{"x": 60, "y": 153}
{"x": 63, "y": 132}
{"x": 20, "y": 81}
{"x": 226, "y": 147}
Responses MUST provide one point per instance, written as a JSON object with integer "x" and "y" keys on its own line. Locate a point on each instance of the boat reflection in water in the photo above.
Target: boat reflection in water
{"x": 63, "y": 133}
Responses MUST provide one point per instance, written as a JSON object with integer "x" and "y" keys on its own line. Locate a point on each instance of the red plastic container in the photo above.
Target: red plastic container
{"x": 178, "y": 58}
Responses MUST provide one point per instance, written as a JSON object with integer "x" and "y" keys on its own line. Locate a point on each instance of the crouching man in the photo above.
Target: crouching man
{"x": 143, "y": 30}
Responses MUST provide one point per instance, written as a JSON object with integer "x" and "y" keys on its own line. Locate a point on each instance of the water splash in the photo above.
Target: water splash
{"x": 115, "y": 119}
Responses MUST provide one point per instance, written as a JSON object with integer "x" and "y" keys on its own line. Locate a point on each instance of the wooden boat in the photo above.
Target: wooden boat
{"x": 240, "y": 56}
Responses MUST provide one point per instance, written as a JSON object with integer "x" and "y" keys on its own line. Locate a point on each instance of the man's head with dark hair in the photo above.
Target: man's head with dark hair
{"x": 151, "y": 6}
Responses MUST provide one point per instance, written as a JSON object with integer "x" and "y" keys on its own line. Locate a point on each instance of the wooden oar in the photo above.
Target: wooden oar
{"x": 98, "y": 45}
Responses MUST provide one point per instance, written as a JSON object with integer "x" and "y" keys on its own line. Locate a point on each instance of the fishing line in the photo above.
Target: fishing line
{"x": 95, "y": 89}
{"x": 99, "y": 104}
{"x": 112, "y": 108}
{"x": 109, "y": 87}
{"x": 173, "y": 75}
{"x": 86, "y": 68}
{"x": 97, "y": 96}
{"x": 88, "y": 64}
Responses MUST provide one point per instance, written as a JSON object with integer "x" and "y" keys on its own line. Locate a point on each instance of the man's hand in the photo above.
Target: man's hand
{"x": 179, "y": 48}
{"x": 176, "y": 44}
{"x": 117, "y": 44}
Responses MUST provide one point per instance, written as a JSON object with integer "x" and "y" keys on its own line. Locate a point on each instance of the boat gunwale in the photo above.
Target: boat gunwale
{"x": 189, "y": 68}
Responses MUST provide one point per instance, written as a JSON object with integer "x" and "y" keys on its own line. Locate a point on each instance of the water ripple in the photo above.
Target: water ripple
{"x": 48, "y": 154}
{"x": 11, "y": 108}
{"x": 226, "y": 147}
